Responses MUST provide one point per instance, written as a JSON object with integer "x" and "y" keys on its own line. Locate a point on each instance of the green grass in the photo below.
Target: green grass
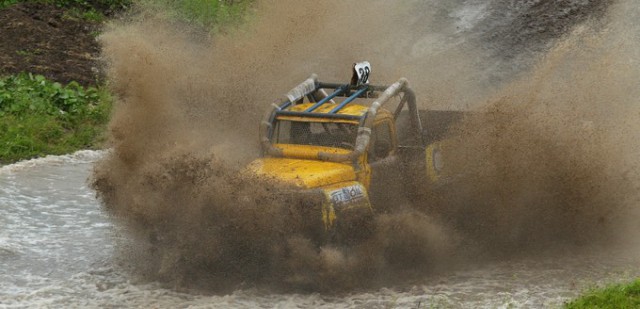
{"x": 88, "y": 14}
{"x": 214, "y": 15}
{"x": 39, "y": 117}
{"x": 73, "y": 3}
{"x": 6, "y": 3}
{"x": 616, "y": 296}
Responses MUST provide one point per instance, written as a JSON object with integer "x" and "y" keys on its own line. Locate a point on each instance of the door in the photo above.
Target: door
{"x": 386, "y": 187}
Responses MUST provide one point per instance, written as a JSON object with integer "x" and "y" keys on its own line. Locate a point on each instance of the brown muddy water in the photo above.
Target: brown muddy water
{"x": 59, "y": 249}
{"x": 546, "y": 204}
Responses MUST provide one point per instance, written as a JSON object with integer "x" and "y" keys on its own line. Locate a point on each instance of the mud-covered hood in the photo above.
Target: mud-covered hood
{"x": 302, "y": 173}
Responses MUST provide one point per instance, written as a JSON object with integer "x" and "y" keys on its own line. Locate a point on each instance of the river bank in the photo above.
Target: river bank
{"x": 54, "y": 96}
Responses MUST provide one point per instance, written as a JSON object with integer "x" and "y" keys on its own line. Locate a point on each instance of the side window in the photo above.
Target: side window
{"x": 382, "y": 143}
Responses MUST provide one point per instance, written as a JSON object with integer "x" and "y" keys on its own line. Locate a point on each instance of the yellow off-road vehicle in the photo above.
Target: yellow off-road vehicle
{"x": 354, "y": 158}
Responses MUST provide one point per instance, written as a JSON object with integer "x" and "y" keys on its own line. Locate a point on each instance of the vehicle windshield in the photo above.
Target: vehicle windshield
{"x": 337, "y": 135}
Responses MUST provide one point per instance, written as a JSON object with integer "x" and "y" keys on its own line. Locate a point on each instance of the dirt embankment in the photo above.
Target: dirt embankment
{"x": 44, "y": 39}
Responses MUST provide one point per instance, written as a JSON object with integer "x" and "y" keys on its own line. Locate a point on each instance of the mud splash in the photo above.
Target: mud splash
{"x": 549, "y": 160}
{"x": 542, "y": 164}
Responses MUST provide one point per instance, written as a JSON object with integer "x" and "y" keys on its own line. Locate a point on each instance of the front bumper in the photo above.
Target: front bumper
{"x": 339, "y": 213}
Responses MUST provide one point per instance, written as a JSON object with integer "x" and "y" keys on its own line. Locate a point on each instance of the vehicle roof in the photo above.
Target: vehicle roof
{"x": 321, "y": 113}
{"x": 354, "y": 111}
{"x": 351, "y": 109}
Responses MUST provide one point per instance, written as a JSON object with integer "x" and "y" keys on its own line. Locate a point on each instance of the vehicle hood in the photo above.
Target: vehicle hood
{"x": 302, "y": 173}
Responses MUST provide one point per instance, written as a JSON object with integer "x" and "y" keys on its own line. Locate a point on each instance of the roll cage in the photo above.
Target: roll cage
{"x": 316, "y": 92}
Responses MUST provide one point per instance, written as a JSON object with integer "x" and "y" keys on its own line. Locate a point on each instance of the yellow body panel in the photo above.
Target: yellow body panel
{"x": 309, "y": 152}
{"x": 316, "y": 119}
{"x": 351, "y": 109}
{"x": 434, "y": 162}
{"x": 307, "y": 174}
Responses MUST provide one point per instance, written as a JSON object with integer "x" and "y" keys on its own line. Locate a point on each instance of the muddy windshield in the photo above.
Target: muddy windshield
{"x": 339, "y": 135}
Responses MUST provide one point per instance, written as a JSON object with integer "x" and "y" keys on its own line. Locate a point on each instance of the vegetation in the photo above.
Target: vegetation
{"x": 617, "y": 296}
{"x": 39, "y": 117}
{"x": 107, "y": 4}
{"x": 210, "y": 14}
{"x": 90, "y": 10}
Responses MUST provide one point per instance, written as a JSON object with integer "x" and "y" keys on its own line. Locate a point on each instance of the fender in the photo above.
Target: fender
{"x": 434, "y": 162}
